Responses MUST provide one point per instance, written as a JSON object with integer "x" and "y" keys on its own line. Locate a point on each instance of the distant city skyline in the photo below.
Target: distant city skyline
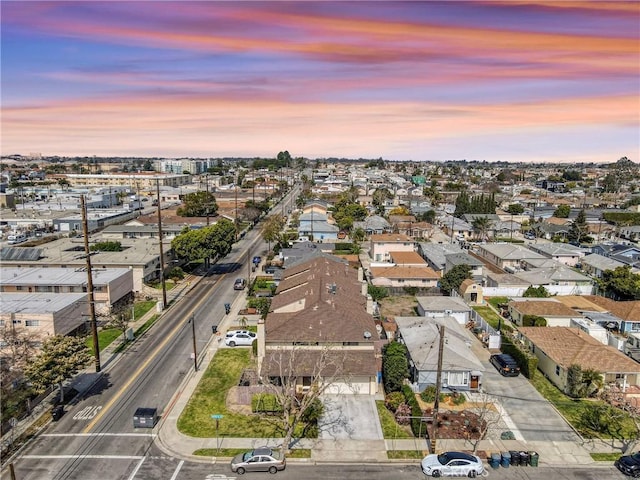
{"x": 515, "y": 81}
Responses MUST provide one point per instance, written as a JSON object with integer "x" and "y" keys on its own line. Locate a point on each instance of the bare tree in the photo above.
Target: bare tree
{"x": 488, "y": 418}
{"x": 297, "y": 377}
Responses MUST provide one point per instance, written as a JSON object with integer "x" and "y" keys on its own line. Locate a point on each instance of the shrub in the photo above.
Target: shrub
{"x": 429, "y": 394}
{"x": 416, "y": 411}
{"x": 393, "y": 400}
{"x": 458, "y": 398}
{"x": 402, "y": 414}
{"x": 395, "y": 366}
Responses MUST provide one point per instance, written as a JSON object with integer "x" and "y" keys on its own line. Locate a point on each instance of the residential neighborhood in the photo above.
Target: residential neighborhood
{"x": 376, "y": 284}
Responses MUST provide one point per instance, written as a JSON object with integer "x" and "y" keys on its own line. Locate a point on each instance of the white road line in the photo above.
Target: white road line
{"x": 175, "y": 474}
{"x": 135, "y": 470}
{"x": 104, "y": 434}
{"x": 66, "y": 457}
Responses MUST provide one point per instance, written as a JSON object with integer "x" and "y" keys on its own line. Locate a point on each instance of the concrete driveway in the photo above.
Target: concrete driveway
{"x": 353, "y": 417}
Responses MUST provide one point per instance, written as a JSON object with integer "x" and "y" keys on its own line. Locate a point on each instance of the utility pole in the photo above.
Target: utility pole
{"x": 207, "y": 187}
{"x": 92, "y": 306}
{"x": 235, "y": 189}
{"x": 192, "y": 321}
{"x": 436, "y": 403}
{"x": 164, "y": 286}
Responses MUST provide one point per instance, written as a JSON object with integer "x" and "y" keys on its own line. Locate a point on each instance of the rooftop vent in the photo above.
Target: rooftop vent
{"x": 367, "y": 334}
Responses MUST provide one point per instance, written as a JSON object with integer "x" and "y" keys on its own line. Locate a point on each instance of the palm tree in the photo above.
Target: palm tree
{"x": 482, "y": 225}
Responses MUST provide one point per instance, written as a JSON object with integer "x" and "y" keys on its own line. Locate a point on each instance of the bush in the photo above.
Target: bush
{"x": 402, "y": 414}
{"x": 416, "y": 411}
{"x": 458, "y": 398}
{"x": 429, "y": 394}
{"x": 394, "y": 400}
{"x": 395, "y": 366}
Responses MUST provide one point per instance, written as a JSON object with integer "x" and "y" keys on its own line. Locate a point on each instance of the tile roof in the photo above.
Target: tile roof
{"x": 402, "y": 258}
{"x": 580, "y": 303}
{"x": 568, "y": 346}
{"x": 547, "y": 307}
{"x": 390, "y": 238}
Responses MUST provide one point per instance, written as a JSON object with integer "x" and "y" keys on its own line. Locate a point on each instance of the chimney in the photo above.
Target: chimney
{"x": 369, "y": 305}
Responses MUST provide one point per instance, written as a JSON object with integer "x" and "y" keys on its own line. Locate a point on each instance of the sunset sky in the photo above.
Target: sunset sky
{"x": 482, "y": 80}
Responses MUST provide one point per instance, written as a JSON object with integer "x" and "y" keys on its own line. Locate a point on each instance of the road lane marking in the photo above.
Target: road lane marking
{"x": 177, "y": 470}
{"x": 87, "y": 413}
{"x": 135, "y": 470}
{"x": 100, "y": 434}
{"x": 67, "y": 457}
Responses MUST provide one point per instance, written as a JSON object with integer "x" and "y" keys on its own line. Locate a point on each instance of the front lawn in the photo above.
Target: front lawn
{"x": 391, "y": 428}
{"x": 223, "y": 372}
{"x": 612, "y": 423}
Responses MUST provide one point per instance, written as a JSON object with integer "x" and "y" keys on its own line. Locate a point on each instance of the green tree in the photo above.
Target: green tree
{"x": 482, "y": 226}
{"x": 379, "y": 198}
{"x": 429, "y": 216}
{"x": 346, "y": 213}
{"x": 452, "y": 280}
{"x": 108, "y": 246}
{"x": 60, "y": 359}
{"x": 205, "y": 243}
{"x": 562, "y": 211}
{"x": 395, "y": 366}
{"x": 271, "y": 228}
{"x": 536, "y": 292}
{"x": 198, "y": 204}
{"x": 621, "y": 284}
{"x": 377, "y": 293}
{"x": 515, "y": 209}
{"x": 578, "y": 231}
{"x": 358, "y": 234}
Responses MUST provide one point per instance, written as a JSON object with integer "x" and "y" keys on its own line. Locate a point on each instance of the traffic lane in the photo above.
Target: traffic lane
{"x": 532, "y": 414}
{"x": 63, "y": 456}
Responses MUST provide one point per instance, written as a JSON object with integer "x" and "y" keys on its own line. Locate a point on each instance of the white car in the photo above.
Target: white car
{"x": 452, "y": 464}
{"x": 239, "y": 337}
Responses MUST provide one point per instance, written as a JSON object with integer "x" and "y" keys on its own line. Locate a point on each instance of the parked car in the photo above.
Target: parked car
{"x": 262, "y": 459}
{"x": 239, "y": 284}
{"x": 452, "y": 464}
{"x": 57, "y": 412}
{"x": 243, "y": 338}
{"x": 231, "y": 333}
{"x": 505, "y": 364}
{"x": 629, "y": 464}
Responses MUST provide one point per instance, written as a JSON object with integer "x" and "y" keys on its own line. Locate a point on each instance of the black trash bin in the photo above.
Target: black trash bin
{"x": 515, "y": 458}
{"x": 227, "y": 308}
{"x": 524, "y": 459}
{"x": 533, "y": 459}
{"x": 57, "y": 412}
{"x": 214, "y": 329}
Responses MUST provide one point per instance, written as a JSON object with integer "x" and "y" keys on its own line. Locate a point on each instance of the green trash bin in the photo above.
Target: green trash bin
{"x": 533, "y": 459}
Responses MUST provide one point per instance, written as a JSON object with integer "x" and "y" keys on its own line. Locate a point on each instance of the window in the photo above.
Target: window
{"x": 558, "y": 370}
{"x": 32, "y": 323}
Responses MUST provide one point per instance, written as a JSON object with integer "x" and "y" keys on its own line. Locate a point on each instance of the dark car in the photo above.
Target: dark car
{"x": 57, "y": 412}
{"x": 505, "y": 364}
{"x": 629, "y": 465}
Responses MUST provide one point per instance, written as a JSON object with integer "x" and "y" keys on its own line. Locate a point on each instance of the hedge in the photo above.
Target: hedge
{"x": 416, "y": 411}
{"x": 528, "y": 363}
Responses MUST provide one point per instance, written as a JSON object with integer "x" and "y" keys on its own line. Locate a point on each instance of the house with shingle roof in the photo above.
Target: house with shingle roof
{"x": 555, "y": 313}
{"x": 558, "y": 280}
{"x": 596, "y": 264}
{"x": 320, "y": 325}
{"x": 564, "y": 253}
{"x": 558, "y": 348}
{"x": 436, "y": 306}
{"x": 373, "y": 224}
{"x": 399, "y": 276}
{"x": 628, "y": 312}
{"x": 506, "y": 255}
{"x": 436, "y": 253}
{"x": 463, "y": 258}
{"x": 461, "y": 369}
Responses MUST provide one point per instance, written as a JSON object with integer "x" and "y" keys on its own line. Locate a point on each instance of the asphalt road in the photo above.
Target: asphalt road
{"x": 95, "y": 439}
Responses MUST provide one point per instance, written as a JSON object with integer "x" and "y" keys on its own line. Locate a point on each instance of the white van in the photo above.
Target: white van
{"x": 16, "y": 238}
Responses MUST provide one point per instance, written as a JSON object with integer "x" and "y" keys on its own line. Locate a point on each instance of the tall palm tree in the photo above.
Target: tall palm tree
{"x": 481, "y": 226}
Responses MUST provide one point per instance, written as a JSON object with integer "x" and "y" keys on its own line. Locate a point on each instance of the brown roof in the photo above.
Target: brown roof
{"x": 402, "y": 258}
{"x": 629, "y": 310}
{"x": 571, "y": 346}
{"x": 543, "y": 308}
{"x": 407, "y": 273}
{"x": 557, "y": 221}
{"x": 304, "y": 308}
{"x": 579, "y": 302}
{"x": 318, "y": 363}
{"x": 390, "y": 237}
